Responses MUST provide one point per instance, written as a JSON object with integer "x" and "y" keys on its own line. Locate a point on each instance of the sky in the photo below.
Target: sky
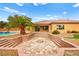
{"x": 40, "y": 11}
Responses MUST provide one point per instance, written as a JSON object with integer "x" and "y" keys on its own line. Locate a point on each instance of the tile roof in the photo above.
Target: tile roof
{"x": 47, "y": 22}
{"x": 44, "y": 22}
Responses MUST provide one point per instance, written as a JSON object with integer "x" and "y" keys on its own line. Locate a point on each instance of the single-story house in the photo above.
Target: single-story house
{"x": 63, "y": 26}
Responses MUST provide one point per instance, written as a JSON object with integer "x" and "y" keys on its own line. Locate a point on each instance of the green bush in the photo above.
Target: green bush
{"x": 55, "y": 32}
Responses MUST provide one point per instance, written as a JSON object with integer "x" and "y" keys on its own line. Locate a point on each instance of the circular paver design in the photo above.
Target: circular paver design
{"x": 39, "y": 46}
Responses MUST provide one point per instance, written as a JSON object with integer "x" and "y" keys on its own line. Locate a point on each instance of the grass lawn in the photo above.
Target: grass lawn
{"x": 75, "y": 36}
{"x": 73, "y": 39}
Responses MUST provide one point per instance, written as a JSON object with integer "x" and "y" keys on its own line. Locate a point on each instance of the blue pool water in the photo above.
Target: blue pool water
{"x": 7, "y": 33}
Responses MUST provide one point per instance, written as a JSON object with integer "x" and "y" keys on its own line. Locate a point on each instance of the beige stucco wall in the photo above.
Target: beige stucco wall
{"x": 67, "y": 27}
{"x": 50, "y": 28}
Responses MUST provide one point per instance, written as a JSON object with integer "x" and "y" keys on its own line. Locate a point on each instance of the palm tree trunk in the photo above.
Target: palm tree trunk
{"x": 8, "y": 29}
{"x": 22, "y": 30}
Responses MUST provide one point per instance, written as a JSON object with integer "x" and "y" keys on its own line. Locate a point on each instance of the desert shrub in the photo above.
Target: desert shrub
{"x": 55, "y": 32}
{"x": 74, "y": 32}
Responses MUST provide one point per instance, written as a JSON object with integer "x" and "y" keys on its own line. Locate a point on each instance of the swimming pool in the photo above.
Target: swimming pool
{"x": 7, "y": 33}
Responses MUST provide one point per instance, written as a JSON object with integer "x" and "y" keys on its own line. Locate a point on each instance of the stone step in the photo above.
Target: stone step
{"x": 12, "y": 45}
{"x": 6, "y": 43}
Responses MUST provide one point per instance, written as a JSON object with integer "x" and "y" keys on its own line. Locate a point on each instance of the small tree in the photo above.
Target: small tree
{"x": 2, "y": 24}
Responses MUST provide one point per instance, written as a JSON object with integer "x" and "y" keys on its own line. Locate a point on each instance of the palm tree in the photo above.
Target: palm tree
{"x": 20, "y": 21}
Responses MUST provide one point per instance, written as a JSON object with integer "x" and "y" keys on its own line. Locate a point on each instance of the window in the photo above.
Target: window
{"x": 37, "y": 28}
{"x": 45, "y": 27}
{"x": 60, "y": 26}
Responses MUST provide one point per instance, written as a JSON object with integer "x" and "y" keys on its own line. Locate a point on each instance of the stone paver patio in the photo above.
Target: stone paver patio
{"x": 39, "y": 44}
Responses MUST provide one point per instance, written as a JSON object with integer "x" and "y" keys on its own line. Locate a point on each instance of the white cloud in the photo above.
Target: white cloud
{"x": 48, "y": 15}
{"x": 20, "y": 4}
{"x": 43, "y": 18}
{"x": 37, "y": 4}
{"x": 3, "y": 19}
{"x": 43, "y": 3}
{"x": 76, "y": 5}
{"x": 22, "y": 13}
{"x": 10, "y": 10}
{"x": 7, "y": 9}
{"x": 65, "y": 12}
{"x": 47, "y": 18}
{"x": 55, "y": 16}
